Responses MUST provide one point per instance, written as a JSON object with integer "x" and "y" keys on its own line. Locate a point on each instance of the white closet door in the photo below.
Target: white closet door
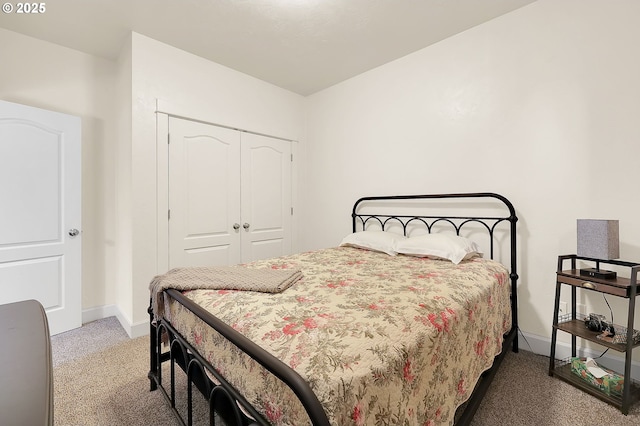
{"x": 204, "y": 195}
{"x": 266, "y": 197}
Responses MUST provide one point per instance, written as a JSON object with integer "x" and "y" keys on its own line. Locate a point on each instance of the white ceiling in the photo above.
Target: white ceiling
{"x": 300, "y": 45}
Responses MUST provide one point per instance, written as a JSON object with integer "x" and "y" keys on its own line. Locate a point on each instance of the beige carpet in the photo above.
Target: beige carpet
{"x": 100, "y": 378}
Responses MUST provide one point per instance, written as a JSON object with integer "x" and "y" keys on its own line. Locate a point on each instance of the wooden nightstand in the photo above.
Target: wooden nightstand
{"x": 574, "y": 324}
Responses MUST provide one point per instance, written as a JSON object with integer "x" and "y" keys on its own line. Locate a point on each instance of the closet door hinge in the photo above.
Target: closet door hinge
{"x": 168, "y": 214}
{"x": 291, "y": 211}
{"x": 168, "y": 138}
{"x": 292, "y": 158}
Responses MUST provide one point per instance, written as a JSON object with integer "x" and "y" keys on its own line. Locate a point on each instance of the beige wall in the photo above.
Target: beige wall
{"x": 539, "y": 105}
{"x": 49, "y": 76}
{"x": 122, "y": 262}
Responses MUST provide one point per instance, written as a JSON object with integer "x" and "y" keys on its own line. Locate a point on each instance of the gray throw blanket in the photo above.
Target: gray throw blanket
{"x": 221, "y": 278}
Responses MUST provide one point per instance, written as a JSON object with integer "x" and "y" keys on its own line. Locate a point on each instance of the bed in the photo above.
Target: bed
{"x": 364, "y": 335}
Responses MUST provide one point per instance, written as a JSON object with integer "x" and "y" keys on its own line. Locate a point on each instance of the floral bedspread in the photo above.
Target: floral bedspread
{"x": 382, "y": 340}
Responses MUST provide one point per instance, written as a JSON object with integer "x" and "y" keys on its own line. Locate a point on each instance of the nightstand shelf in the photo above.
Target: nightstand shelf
{"x": 563, "y": 371}
{"x": 577, "y": 328}
{"x": 574, "y": 325}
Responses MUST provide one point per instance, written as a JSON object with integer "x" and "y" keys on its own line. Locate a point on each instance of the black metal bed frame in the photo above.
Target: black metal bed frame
{"x": 224, "y": 399}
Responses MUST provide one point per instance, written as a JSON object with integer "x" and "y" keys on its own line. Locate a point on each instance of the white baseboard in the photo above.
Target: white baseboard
{"x": 542, "y": 346}
{"x": 100, "y": 312}
{"x": 139, "y": 329}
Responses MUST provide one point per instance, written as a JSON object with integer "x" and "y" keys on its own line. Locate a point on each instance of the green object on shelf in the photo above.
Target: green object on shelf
{"x": 611, "y": 384}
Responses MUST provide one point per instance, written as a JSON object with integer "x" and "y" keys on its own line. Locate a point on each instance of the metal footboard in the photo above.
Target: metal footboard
{"x": 223, "y": 398}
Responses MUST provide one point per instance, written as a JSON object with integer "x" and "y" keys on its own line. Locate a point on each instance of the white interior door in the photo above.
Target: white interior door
{"x": 266, "y": 197}
{"x": 204, "y": 194}
{"x": 40, "y": 241}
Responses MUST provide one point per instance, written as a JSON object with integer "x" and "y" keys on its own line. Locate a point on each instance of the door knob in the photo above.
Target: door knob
{"x": 73, "y": 232}
{"x": 245, "y": 225}
{"x": 236, "y": 226}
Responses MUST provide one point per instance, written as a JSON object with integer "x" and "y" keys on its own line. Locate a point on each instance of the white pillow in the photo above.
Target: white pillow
{"x": 440, "y": 246}
{"x": 381, "y": 241}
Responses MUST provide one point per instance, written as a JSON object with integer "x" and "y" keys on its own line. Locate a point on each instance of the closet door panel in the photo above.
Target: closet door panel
{"x": 266, "y": 197}
{"x": 204, "y": 201}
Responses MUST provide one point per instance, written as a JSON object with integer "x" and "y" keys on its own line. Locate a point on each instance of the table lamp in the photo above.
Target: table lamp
{"x": 598, "y": 239}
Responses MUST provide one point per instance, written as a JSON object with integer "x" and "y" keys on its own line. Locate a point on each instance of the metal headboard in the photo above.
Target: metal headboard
{"x": 488, "y": 222}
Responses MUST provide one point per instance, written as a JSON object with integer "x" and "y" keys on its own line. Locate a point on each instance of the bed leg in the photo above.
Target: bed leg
{"x": 153, "y": 356}
{"x": 514, "y": 301}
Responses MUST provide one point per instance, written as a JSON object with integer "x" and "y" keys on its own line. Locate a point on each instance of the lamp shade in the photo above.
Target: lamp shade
{"x": 598, "y": 239}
